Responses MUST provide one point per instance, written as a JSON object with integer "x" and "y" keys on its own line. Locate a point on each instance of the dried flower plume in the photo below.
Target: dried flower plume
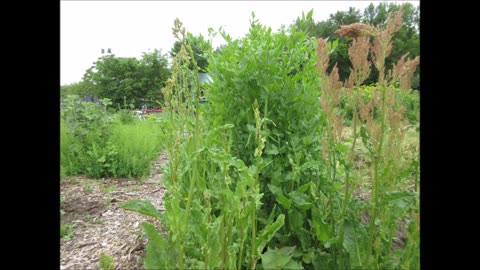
{"x": 355, "y": 30}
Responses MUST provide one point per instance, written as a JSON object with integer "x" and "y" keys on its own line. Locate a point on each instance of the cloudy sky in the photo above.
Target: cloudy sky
{"x": 132, "y": 27}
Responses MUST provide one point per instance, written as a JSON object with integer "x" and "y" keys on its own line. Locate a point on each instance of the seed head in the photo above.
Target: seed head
{"x": 355, "y": 30}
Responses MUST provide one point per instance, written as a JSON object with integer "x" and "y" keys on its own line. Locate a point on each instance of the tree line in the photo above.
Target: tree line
{"x": 127, "y": 80}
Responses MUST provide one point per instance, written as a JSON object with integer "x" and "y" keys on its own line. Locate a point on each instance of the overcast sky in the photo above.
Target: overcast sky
{"x": 132, "y": 27}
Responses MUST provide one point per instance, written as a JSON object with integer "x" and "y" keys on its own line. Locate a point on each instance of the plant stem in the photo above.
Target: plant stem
{"x": 253, "y": 256}
{"x": 196, "y": 134}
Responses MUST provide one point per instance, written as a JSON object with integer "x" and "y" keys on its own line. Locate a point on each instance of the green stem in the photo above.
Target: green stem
{"x": 224, "y": 221}
{"x": 242, "y": 241}
{"x": 253, "y": 256}
{"x": 196, "y": 134}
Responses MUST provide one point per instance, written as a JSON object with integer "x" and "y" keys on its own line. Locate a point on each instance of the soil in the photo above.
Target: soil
{"x": 100, "y": 225}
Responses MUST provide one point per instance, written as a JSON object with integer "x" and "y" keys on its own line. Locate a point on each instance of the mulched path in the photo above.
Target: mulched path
{"x": 101, "y": 226}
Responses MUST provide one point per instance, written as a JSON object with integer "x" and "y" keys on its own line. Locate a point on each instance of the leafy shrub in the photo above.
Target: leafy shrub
{"x": 93, "y": 144}
{"x": 125, "y": 117}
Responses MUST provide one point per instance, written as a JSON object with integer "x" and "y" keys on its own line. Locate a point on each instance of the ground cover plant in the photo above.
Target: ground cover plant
{"x": 97, "y": 143}
{"x": 266, "y": 175}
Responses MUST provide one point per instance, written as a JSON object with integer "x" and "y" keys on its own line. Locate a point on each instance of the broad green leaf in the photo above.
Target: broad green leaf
{"x": 321, "y": 261}
{"x": 275, "y": 190}
{"x": 156, "y": 248}
{"x": 350, "y": 243}
{"x": 307, "y": 257}
{"x": 321, "y": 230}
{"x": 300, "y": 200}
{"x": 304, "y": 187}
{"x": 268, "y": 232}
{"x": 287, "y": 203}
{"x": 277, "y": 258}
{"x": 272, "y": 150}
{"x": 278, "y": 192}
{"x": 143, "y": 207}
{"x": 295, "y": 220}
{"x": 310, "y": 14}
{"x": 401, "y": 199}
{"x": 293, "y": 264}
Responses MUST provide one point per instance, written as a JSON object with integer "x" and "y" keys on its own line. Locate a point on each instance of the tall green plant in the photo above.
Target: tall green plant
{"x": 381, "y": 128}
{"x": 278, "y": 71}
{"x": 212, "y": 197}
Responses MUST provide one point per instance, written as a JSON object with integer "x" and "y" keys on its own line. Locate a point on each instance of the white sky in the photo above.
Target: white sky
{"x": 132, "y": 27}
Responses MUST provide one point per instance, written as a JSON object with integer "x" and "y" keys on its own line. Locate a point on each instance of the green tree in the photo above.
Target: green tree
{"x": 405, "y": 40}
{"x": 200, "y": 45}
{"x": 120, "y": 78}
{"x": 153, "y": 73}
{"x": 326, "y": 29}
{"x": 77, "y": 88}
{"x": 115, "y": 78}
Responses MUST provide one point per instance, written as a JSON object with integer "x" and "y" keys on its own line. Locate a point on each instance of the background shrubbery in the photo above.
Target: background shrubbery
{"x": 98, "y": 143}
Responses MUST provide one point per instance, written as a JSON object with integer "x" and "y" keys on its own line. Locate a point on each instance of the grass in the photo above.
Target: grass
{"x": 127, "y": 151}
{"x": 67, "y": 231}
{"x": 106, "y": 262}
{"x": 136, "y": 145}
{"x": 107, "y": 190}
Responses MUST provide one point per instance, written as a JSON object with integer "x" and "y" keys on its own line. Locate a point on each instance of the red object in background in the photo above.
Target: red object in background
{"x": 155, "y": 111}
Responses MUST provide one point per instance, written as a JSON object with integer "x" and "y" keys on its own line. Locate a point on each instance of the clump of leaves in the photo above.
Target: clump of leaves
{"x": 67, "y": 231}
{"x": 106, "y": 262}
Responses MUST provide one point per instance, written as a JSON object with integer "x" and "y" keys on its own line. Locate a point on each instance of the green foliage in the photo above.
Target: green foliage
{"x": 94, "y": 144}
{"x": 407, "y": 40}
{"x": 258, "y": 67}
{"x": 119, "y": 78}
{"x": 134, "y": 146}
{"x": 410, "y": 99}
{"x": 79, "y": 88}
{"x": 85, "y": 129}
{"x": 275, "y": 185}
{"x": 280, "y": 259}
{"x": 67, "y": 231}
{"x": 125, "y": 117}
{"x": 106, "y": 262}
{"x": 200, "y": 46}
{"x": 212, "y": 196}
{"x": 86, "y": 121}
{"x": 142, "y": 207}
{"x": 412, "y": 104}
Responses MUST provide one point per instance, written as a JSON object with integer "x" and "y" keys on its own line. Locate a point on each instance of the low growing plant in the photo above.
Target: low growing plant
{"x": 106, "y": 262}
